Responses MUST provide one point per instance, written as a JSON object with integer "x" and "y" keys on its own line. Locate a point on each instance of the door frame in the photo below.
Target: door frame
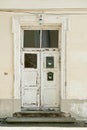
{"x": 31, "y": 20}
{"x": 40, "y": 50}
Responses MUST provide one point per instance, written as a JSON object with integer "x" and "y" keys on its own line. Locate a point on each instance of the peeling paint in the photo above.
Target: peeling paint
{"x": 79, "y": 109}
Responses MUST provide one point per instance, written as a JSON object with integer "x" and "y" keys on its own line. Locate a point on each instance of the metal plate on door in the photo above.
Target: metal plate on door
{"x": 50, "y": 76}
{"x": 50, "y": 62}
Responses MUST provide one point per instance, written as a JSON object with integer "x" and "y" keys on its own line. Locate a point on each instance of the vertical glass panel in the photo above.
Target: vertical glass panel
{"x": 50, "y": 39}
{"x": 32, "y": 38}
{"x": 30, "y": 60}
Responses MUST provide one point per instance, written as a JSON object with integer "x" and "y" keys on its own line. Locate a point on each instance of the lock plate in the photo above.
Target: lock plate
{"x": 50, "y": 62}
{"x": 50, "y": 76}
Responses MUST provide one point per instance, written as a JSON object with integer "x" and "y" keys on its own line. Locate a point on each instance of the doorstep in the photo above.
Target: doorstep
{"x": 41, "y": 114}
{"x": 40, "y": 120}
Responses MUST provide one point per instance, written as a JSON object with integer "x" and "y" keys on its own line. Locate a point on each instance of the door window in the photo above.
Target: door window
{"x": 30, "y": 60}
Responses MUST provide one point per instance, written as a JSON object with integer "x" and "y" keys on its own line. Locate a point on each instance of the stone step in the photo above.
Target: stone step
{"x": 41, "y": 114}
{"x": 40, "y": 119}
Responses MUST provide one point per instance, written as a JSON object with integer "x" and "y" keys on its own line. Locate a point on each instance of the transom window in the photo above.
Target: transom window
{"x": 41, "y": 38}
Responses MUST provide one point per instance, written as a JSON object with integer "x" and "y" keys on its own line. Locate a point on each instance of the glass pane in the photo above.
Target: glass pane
{"x": 30, "y": 60}
{"x": 32, "y": 38}
{"x": 50, "y": 39}
{"x": 50, "y": 62}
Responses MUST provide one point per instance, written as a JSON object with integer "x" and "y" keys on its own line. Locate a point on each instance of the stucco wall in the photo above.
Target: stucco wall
{"x": 76, "y": 70}
{"x": 76, "y": 65}
{"x": 6, "y": 56}
{"x": 41, "y": 4}
{"x": 77, "y": 57}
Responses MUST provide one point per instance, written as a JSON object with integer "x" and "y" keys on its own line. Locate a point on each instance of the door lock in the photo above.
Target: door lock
{"x": 50, "y": 76}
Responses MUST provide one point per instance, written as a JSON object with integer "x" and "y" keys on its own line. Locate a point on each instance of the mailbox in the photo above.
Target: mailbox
{"x": 50, "y": 76}
{"x": 50, "y": 62}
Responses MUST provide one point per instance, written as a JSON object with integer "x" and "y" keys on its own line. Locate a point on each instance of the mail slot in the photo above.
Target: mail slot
{"x": 50, "y": 62}
{"x": 50, "y": 76}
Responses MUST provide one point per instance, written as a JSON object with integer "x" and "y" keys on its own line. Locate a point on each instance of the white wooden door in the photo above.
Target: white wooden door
{"x": 30, "y": 79}
{"x": 40, "y": 72}
{"x": 50, "y": 79}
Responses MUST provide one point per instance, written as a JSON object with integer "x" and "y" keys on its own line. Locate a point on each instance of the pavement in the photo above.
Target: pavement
{"x": 4, "y": 123}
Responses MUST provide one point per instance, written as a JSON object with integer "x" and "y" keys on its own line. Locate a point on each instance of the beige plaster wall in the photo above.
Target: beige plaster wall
{"x": 77, "y": 57}
{"x": 6, "y": 56}
{"x": 40, "y": 4}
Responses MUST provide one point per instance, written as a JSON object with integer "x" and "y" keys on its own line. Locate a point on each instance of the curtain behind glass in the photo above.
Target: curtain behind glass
{"x": 32, "y": 38}
{"x": 45, "y": 39}
{"x": 50, "y": 39}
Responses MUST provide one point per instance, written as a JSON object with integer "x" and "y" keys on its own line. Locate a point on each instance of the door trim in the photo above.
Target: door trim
{"x": 19, "y": 22}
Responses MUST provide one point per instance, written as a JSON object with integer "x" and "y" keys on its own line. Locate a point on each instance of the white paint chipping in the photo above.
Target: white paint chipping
{"x": 79, "y": 109}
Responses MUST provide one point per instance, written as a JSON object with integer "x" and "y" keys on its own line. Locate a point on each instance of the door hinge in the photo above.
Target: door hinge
{"x": 65, "y": 83}
{"x": 59, "y": 59}
{"x": 38, "y": 91}
{"x": 21, "y": 61}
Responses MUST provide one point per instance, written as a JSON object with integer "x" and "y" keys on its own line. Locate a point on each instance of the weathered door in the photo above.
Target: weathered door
{"x": 30, "y": 79}
{"x": 50, "y": 79}
{"x": 40, "y": 70}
